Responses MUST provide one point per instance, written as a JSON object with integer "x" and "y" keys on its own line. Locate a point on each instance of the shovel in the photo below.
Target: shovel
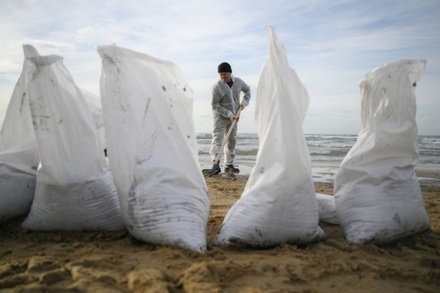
{"x": 216, "y": 166}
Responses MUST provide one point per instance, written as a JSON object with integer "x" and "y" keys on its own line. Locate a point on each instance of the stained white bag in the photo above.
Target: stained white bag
{"x": 18, "y": 151}
{"x": 378, "y": 197}
{"x": 278, "y": 204}
{"x": 74, "y": 187}
{"x": 18, "y": 168}
{"x": 17, "y": 126}
{"x": 152, "y": 149}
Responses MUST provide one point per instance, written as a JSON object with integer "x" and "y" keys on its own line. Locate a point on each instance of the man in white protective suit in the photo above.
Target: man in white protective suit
{"x": 225, "y": 110}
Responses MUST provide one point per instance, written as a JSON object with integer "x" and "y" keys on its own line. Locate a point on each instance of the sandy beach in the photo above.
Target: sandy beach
{"x": 116, "y": 262}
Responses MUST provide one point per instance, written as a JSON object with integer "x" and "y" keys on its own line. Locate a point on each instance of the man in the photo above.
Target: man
{"x": 225, "y": 105}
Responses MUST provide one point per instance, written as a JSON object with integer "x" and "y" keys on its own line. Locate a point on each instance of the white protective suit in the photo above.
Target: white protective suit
{"x": 225, "y": 103}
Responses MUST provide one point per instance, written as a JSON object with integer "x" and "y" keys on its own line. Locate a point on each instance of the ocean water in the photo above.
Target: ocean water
{"x": 326, "y": 152}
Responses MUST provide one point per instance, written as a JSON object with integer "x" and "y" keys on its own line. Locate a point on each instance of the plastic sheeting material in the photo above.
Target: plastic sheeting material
{"x": 152, "y": 149}
{"x": 278, "y": 204}
{"x": 378, "y": 197}
{"x": 74, "y": 188}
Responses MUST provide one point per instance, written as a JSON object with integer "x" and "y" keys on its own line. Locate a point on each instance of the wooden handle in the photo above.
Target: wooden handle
{"x": 225, "y": 139}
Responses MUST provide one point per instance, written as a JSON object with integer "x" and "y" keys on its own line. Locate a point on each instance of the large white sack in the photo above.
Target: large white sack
{"x": 18, "y": 168}
{"x": 327, "y": 209}
{"x": 18, "y": 151}
{"x": 278, "y": 204}
{"x": 74, "y": 188}
{"x": 378, "y": 197}
{"x": 152, "y": 149}
{"x": 17, "y": 126}
{"x": 94, "y": 106}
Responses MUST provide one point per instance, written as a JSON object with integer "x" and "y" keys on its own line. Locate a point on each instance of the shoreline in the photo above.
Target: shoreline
{"x": 428, "y": 178}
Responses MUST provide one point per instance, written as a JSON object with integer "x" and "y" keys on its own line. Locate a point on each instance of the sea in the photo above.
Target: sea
{"x": 326, "y": 151}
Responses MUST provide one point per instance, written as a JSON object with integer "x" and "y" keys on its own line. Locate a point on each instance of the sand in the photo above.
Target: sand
{"x": 116, "y": 262}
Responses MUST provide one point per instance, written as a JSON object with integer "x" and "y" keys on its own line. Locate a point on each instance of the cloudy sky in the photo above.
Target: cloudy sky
{"x": 330, "y": 44}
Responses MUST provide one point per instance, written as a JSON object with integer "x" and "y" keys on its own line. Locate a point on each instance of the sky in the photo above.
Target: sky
{"x": 331, "y": 45}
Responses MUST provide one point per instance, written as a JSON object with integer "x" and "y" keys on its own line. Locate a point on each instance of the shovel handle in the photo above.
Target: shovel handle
{"x": 225, "y": 139}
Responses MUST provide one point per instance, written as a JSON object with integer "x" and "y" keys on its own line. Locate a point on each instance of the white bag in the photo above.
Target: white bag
{"x": 74, "y": 188}
{"x": 94, "y": 106}
{"x": 152, "y": 149}
{"x": 378, "y": 197}
{"x": 278, "y": 204}
{"x": 17, "y": 126}
{"x": 18, "y": 168}
{"x": 18, "y": 151}
{"x": 327, "y": 209}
